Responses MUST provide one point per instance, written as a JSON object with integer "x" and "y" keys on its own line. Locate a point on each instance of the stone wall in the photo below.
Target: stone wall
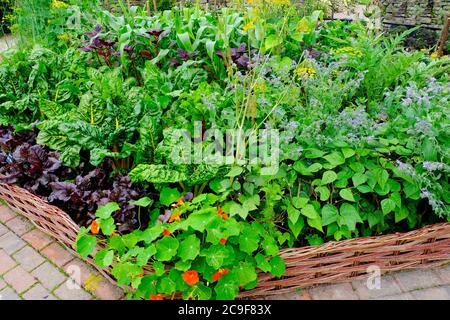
{"x": 426, "y": 13}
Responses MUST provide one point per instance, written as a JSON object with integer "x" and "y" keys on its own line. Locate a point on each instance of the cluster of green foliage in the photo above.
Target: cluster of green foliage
{"x": 363, "y": 135}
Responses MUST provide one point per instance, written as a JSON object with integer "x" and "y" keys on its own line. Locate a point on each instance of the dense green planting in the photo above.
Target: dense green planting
{"x": 363, "y": 137}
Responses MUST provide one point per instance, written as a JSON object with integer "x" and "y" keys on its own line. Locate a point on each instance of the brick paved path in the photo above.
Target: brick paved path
{"x": 34, "y": 266}
{"x": 430, "y": 284}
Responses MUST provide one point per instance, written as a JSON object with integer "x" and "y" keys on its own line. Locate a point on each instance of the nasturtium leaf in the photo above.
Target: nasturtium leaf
{"x": 107, "y": 226}
{"x": 105, "y": 211}
{"x": 269, "y": 245}
{"x": 310, "y": 212}
{"x": 136, "y": 282}
{"x": 142, "y": 202}
{"x": 168, "y": 196}
{"x": 183, "y": 265}
{"x": 244, "y": 273}
{"x": 359, "y": 178}
{"x": 143, "y": 257}
{"x": 198, "y": 220}
{"x": 189, "y": 248}
{"x": 278, "y": 266}
{"x": 124, "y": 272}
{"x": 104, "y": 257}
{"x": 166, "y": 248}
{"x": 216, "y": 255}
{"x": 329, "y": 177}
{"x": 130, "y": 240}
{"x": 152, "y": 233}
{"x": 248, "y": 241}
{"x": 201, "y": 292}
{"x": 147, "y": 286}
{"x": 117, "y": 244}
{"x": 166, "y": 285}
{"x": 330, "y": 214}
{"x": 262, "y": 263}
{"x": 387, "y": 205}
{"x": 350, "y": 216}
{"x": 347, "y": 194}
{"x": 226, "y": 288}
{"x": 159, "y": 268}
{"x": 86, "y": 244}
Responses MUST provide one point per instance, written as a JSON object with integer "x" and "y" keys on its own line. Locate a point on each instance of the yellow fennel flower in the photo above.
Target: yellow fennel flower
{"x": 59, "y": 4}
{"x": 249, "y": 25}
{"x": 305, "y": 72}
{"x": 434, "y": 55}
{"x": 349, "y": 51}
{"x": 64, "y": 37}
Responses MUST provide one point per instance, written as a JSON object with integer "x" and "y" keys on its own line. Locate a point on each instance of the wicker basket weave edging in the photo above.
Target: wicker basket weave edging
{"x": 328, "y": 263}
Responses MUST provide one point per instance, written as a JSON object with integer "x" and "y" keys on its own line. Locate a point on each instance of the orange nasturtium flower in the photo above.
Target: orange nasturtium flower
{"x": 223, "y": 215}
{"x": 178, "y": 203}
{"x": 156, "y": 297}
{"x": 190, "y": 277}
{"x": 166, "y": 233}
{"x": 95, "y": 227}
{"x": 216, "y": 276}
{"x": 223, "y": 241}
{"x": 175, "y": 217}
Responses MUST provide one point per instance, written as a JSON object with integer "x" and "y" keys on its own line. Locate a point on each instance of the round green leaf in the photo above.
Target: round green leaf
{"x": 166, "y": 248}
{"x": 189, "y": 248}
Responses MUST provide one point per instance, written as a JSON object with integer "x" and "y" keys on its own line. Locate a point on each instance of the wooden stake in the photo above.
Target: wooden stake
{"x": 444, "y": 37}
{"x": 155, "y": 7}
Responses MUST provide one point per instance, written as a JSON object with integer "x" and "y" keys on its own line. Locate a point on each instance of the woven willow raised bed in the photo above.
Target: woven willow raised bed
{"x": 328, "y": 263}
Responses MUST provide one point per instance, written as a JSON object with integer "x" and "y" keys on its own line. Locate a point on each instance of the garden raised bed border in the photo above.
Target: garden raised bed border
{"x": 331, "y": 262}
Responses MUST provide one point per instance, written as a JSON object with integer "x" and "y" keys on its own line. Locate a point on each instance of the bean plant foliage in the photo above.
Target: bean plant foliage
{"x": 88, "y": 116}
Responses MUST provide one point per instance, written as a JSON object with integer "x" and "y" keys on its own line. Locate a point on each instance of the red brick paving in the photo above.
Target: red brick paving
{"x": 57, "y": 254}
{"x": 37, "y": 239}
{"x": 34, "y": 266}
